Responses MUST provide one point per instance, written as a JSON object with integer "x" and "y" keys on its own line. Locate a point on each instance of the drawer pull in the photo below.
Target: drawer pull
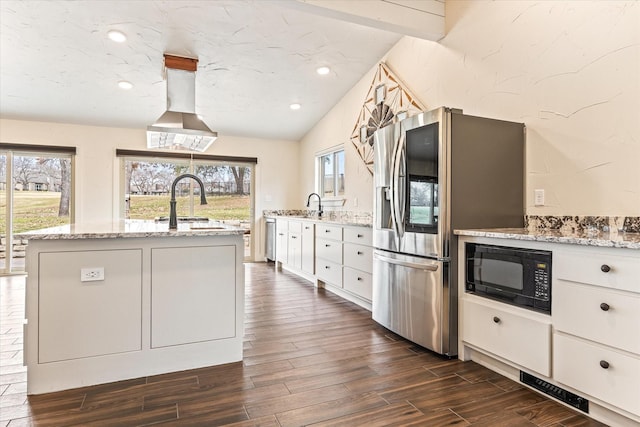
{"x": 327, "y": 245}
{"x": 294, "y": 237}
{"x": 360, "y": 252}
{"x": 604, "y": 364}
{"x": 604, "y": 306}
{"x": 496, "y": 319}
{"x": 359, "y": 279}
{"x": 327, "y": 267}
{"x": 605, "y": 268}
{"x": 360, "y": 236}
{"x": 327, "y": 231}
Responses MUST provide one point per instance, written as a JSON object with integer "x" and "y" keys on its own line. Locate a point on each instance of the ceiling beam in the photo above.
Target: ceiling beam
{"x": 417, "y": 18}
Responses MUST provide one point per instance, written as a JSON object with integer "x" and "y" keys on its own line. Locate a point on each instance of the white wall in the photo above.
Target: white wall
{"x": 97, "y": 173}
{"x": 570, "y": 70}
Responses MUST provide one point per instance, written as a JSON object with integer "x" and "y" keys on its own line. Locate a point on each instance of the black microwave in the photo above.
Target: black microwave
{"x": 516, "y": 276}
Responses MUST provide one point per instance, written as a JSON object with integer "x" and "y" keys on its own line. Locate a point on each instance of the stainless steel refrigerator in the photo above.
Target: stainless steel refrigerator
{"x": 435, "y": 172}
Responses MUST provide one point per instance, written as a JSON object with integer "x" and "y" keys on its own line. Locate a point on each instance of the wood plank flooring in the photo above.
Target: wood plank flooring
{"x": 310, "y": 358}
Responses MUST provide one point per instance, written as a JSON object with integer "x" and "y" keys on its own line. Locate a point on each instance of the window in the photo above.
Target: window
{"x": 331, "y": 173}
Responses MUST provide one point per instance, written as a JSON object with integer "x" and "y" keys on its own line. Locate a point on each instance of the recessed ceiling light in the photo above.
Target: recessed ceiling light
{"x": 323, "y": 71}
{"x": 295, "y": 106}
{"x": 123, "y": 84}
{"x": 117, "y": 36}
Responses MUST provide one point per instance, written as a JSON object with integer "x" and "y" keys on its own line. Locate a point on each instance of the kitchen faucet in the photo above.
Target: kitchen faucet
{"x": 173, "y": 216}
{"x": 319, "y": 203}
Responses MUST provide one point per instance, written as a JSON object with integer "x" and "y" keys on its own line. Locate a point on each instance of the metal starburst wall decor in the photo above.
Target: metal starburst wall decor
{"x": 387, "y": 101}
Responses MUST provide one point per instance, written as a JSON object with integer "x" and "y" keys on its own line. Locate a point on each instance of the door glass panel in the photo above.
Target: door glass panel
{"x": 422, "y": 202}
{"x": 3, "y": 212}
{"x": 41, "y": 197}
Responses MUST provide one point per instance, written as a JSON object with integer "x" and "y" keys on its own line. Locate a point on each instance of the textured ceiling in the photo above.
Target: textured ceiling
{"x": 255, "y": 58}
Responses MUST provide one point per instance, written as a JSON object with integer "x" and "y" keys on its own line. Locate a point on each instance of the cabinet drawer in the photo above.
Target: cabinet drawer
{"x": 329, "y": 272}
{"x": 329, "y": 250}
{"x": 359, "y": 235}
{"x": 601, "y": 269}
{"x": 324, "y": 231}
{"x": 358, "y": 256}
{"x": 602, "y": 315}
{"x": 282, "y": 225}
{"x": 505, "y": 333}
{"x": 358, "y": 282}
{"x": 577, "y": 363}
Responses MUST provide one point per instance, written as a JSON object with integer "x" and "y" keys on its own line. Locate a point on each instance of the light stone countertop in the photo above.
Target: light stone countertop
{"x": 612, "y": 239}
{"x": 337, "y": 218}
{"x": 130, "y": 229}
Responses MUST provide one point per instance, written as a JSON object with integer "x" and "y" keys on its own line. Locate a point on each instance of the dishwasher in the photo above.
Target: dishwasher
{"x": 270, "y": 239}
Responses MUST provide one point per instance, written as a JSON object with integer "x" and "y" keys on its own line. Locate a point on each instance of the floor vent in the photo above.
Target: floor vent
{"x": 554, "y": 391}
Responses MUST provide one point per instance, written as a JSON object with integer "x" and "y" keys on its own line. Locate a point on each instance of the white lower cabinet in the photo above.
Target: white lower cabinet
{"x": 358, "y": 282}
{"x": 295, "y": 245}
{"x": 590, "y": 345}
{"x": 510, "y": 333}
{"x": 598, "y": 371}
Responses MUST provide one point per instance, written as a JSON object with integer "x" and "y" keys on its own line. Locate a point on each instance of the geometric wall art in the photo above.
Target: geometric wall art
{"x": 387, "y": 101}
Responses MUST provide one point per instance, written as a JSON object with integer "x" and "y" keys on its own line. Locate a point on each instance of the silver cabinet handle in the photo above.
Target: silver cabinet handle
{"x": 407, "y": 263}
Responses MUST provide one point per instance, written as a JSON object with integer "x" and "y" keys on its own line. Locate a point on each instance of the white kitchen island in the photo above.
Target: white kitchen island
{"x": 108, "y": 302}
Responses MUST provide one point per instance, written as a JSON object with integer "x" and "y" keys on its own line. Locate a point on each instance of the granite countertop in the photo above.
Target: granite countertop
{"x": 339, "y": 218}
{"x": 611, "y": 239}
{"x": 130, "y": 229}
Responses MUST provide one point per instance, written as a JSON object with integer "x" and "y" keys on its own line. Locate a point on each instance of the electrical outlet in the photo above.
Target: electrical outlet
{"x": 538, "y": 197}
{"x": 91, "y": 274}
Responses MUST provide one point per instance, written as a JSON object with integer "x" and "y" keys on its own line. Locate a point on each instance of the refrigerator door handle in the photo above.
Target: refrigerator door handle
{"x": 424, "y": 267}
{"x": 397, "y": 213}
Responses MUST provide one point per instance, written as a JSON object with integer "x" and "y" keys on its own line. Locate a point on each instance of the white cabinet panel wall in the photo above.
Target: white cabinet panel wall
{"x": 201, "y": 311}
{"x": 98, "y": 317}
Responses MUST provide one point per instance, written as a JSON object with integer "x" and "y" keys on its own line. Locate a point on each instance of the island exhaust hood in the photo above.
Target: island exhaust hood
{"x": 180, "y": 127}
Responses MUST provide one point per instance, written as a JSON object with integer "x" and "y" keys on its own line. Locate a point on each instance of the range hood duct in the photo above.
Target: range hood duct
{"x": 180, "y": 127}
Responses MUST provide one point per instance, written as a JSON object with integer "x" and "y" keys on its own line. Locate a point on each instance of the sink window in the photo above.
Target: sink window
{"x": 330, "y": 172}
{"x": 146, "y": 186}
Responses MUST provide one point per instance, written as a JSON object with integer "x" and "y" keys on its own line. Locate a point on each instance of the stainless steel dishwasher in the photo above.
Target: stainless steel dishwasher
{"x": 270, "y": 239}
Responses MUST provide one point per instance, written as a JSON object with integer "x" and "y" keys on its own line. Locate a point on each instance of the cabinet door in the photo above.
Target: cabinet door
{"x": 294, "y": 256}
{"x": 282, "y": 240}
{"x": 98, "y": 318}
{"x": 188, "y": 304}
{"x": 517, "y": 338}
{"x": 308, "y": 247}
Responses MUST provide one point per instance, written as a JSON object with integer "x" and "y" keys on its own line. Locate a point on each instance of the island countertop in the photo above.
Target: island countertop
{"x": 611, "y": 239}
{"x": 130, "y": 228}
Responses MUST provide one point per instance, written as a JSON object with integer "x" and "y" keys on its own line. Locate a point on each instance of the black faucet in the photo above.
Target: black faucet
{"x": 319, "y": 203}
{"x": 173, "y": 216}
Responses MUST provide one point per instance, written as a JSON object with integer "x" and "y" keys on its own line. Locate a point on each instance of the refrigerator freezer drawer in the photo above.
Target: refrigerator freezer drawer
{"x": 411, "y": 298}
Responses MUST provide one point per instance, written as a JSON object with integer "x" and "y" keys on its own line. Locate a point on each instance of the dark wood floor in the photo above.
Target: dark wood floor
{"x": 311, "y": 358}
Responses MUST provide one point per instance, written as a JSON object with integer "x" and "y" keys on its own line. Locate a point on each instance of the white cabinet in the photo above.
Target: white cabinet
{"x": 282, "y": 240}
{"x": 308, "y": 254}
{"x": 590, "y": 345}
{"x": 358, "y": 261}
{"x": 517, "y": 335}
{"x": 596, "y": 316}
{"x": 329, "y": 254}
{"x": 295, "y": 246}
